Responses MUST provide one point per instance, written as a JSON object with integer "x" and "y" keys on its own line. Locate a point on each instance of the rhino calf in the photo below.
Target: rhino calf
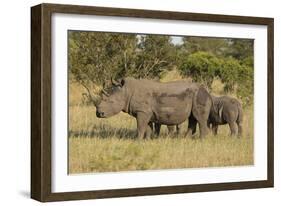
{"x": 226, "y": 110}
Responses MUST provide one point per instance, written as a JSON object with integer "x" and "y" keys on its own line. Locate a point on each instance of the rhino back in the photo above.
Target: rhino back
{"x": 230, "y": 108}
{"x": 168, "y": 103}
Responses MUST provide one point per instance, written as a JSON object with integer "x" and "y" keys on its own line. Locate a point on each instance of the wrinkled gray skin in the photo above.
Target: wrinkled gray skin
{"x": 154, "y": 102}
{"x": 227, "y": 110}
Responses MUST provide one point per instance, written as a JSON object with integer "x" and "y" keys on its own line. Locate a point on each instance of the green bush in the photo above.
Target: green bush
{"x": 245, "y": 81}
{"x": 237, "y": 76}
{"x": 229, "y": 73}
{"x": 202, "y": 67}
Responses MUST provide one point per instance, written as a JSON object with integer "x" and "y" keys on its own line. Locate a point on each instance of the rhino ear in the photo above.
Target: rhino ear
{"x": 118, "y": 83}
{"x": 114, "y": 82}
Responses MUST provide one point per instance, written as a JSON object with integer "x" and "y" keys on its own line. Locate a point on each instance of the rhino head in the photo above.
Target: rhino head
{"x": 113, "y": 100}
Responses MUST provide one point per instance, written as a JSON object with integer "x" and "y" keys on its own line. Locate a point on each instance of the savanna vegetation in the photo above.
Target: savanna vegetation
{"x": 224, "y": 66}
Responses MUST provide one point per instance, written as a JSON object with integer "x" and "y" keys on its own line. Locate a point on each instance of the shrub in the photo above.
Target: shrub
{"x": 201, "y": 67}
{"x": 237, "y": 76}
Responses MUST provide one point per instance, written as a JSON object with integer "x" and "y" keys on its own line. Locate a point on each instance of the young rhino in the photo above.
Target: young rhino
{"x": 227, "y": 110}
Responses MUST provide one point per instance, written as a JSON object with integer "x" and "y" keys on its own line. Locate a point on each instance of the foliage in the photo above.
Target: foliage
{"x": 245, "y": 90}
{"x": 205, "y": 67}
{"x": 95, "y": 57}
{"x": 240, "y": 49}
{"x": 201, "y": 67}
{"x": 215, "y": 46}
{"x": 229, "y": 73}
{"x": 155, "y": 54}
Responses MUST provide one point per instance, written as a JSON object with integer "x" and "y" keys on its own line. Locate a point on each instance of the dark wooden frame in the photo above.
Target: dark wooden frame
{"x": 41, "y": 102}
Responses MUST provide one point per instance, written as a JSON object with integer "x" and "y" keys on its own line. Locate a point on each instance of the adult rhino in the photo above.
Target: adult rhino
{"x": 154, "y": 102}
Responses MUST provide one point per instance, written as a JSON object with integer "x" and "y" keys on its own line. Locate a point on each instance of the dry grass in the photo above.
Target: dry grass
{"x": 102, "y": 145}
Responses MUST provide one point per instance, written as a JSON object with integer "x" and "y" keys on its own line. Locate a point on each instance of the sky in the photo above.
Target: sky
{"x": 177, "y": 40}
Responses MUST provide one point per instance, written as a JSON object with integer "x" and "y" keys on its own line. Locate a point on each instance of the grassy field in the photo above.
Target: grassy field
{"x": 106, "y": 145}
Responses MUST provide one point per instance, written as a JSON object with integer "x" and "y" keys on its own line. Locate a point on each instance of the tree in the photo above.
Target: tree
{"x": 154, "y": 55}
{"x": 201, "y": 67}
{"x": 96, "y": 56}
{"x": 240, "y": 49}
{"x": 236, "y": 76}
{"x": 229, "y": 73}
{"x": 215, "y": 46}
{"x": 245, "y": 90}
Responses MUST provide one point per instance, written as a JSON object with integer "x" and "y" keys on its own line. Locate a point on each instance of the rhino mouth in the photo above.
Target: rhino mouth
{"x": 100, "y": 114}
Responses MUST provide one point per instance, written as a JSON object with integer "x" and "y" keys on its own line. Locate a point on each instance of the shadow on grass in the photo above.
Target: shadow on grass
{"x": 104, "y": 131}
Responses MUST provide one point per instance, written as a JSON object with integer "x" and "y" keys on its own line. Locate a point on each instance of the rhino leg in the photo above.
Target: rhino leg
{"x": 179, "y": 129}
{"x": 201, "y": 109}
{"x": 201, "y": 114}
{"x": 233, "y": 128}
{"x": 239, "y": 120}
{"x": 171, "y": 129}
{"x": 142, "y": 124}
{"x": 157, "y": 128}
{"x": 149, "y": 130}
{"x": 203, "y": 128}
{"x": 215, "y": 129}
{"x": 239, "y": 129}
{"x": 209, "y": 124}
{"x": 192, "y": 122}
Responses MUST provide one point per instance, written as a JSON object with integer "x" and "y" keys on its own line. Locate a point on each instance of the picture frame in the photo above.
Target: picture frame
{"x": 41, "y": 101}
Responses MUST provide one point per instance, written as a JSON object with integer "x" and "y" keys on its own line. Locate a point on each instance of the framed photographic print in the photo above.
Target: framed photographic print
{"x": 132, "y": 102}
